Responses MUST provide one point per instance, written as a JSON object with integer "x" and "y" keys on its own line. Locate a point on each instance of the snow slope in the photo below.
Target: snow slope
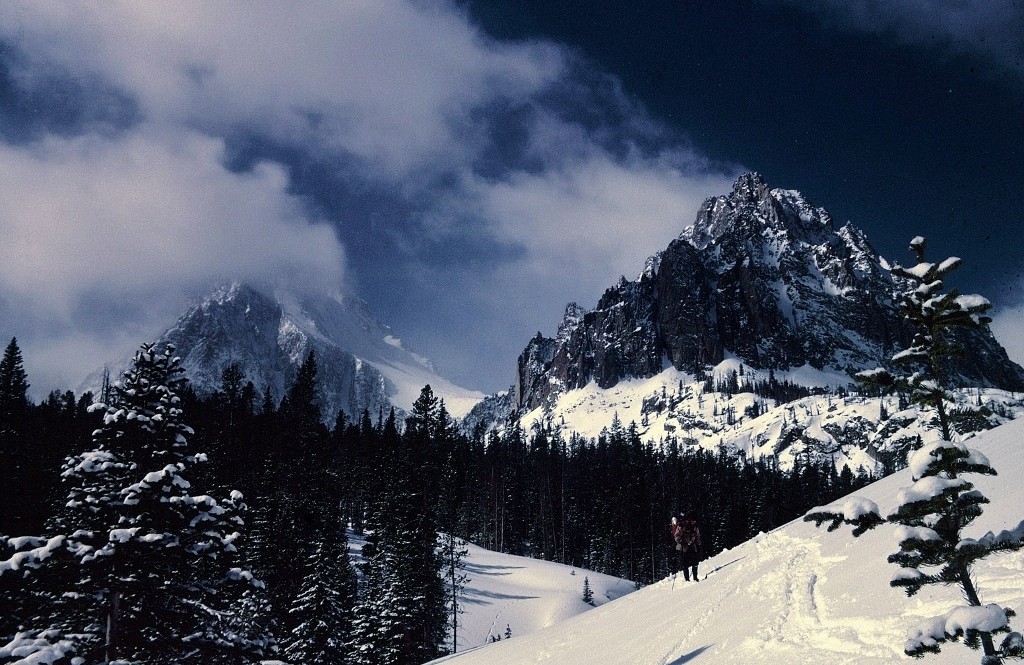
{"x": 525, "y": 595}
{"x": 797, "y": 594}
{"x": 849, "y": 429}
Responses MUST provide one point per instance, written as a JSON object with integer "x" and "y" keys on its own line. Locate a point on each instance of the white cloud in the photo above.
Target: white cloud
{"x": 1008, "y": 327}
{"x": 134, "y": 215}
{"x": 378, "y": 79}
{"x": 129, "y": 223}
{"x": 596, "y": 219}
{"x": 135, "y": 224}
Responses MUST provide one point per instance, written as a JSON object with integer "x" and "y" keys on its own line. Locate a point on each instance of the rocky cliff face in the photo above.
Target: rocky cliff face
{"x": 762, "y": 274}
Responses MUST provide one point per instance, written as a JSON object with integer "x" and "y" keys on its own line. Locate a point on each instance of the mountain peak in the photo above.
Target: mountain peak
{"x": 268, "y": 330}
{"x": 752, "y": 211}
{"x": 750, "y": 187}
{"x": 763, "y": 276}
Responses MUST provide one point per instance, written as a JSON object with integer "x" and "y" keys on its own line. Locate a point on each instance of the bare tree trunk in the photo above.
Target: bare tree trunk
{"x": 972, "y": 597}
{"x": 455, "y": 596}
{"x": 113, "y": 615}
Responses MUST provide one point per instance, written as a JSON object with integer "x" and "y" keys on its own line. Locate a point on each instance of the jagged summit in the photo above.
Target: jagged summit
{"x": 763, "y": 275}
{"x": 753, "y": 209}
{"x": 750, "y": 187}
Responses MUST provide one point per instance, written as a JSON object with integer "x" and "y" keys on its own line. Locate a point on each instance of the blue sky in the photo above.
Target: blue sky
{"x": 468, "y": 168}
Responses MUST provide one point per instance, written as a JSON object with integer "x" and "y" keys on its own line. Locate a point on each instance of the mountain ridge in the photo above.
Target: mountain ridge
{"x": 762, "y": 275}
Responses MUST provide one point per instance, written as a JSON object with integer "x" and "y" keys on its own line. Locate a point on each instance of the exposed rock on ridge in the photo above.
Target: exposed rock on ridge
{"x": 239, "y": 323}
{"x": 762, "y": 274}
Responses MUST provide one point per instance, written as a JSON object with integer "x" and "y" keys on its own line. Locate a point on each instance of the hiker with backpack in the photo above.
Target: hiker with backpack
{"x": 686, "y": 537}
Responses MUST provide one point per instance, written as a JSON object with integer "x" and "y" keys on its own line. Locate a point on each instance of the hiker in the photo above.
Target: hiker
{"x": 686, "y": 535}
{"x": 675, "y": 555}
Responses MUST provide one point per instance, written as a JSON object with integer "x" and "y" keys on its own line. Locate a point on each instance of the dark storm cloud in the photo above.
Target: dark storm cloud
{"x": 36, "y": 101}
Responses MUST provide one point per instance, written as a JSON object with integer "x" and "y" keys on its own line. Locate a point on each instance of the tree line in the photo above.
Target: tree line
{"x": 599, "y": 503}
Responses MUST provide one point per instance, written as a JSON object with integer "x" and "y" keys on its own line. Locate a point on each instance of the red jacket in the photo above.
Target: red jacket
{"x": 687, "y": 536}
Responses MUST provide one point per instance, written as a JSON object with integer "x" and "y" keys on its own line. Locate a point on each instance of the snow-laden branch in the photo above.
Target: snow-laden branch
{"x": 861, "y": 513}
{"x": 40, "y": 550}
{"x": 41, "y": 648}
{"x": 951, "y": 626}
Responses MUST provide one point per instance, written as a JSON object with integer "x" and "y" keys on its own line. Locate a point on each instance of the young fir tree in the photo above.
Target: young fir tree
{"x": 453, "y": 554}
{"x": 933, "y": 314}
{"x": 932, "y": 513}
{"x": 138, "y": 567}
{"x": 323, "y": 607}
{"x": 400, "y": 618}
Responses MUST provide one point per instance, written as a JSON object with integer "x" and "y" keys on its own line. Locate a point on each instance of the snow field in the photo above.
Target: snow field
{"x": 797, "y": 594}
{"x": 696, "y": 418}
{"x": 525, "y": 595}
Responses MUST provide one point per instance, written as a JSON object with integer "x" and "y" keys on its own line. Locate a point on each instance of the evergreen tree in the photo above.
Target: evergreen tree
{"x": 588, "y": 593}
{"x": 933, "y": 512}
{"x": 933, "y": 313}
{"x": 19, "y": 493}
{"x": 302, "y": 403}
{"x": 323, "y": 607}
{"x": 400, "y": 618}
{"x": 13, "y": 384}
{"x": 137, "y": 567}
{"x": 302, "y": 492}
{"x": 453, "y": 554}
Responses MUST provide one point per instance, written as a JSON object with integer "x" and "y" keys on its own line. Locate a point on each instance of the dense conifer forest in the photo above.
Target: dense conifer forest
{"x": 602, "y": 504}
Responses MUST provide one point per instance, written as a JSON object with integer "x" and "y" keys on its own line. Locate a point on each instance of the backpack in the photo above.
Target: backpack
{"x": 687, "y": 536}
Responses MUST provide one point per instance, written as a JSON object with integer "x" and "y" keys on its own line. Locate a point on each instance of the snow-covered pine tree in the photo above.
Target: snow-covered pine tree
{"x": 381, "y": 616}
{"x": 453, "y": 554}
{"x": 932, "y": 513}
{"x": 400, "y": 618}
{"x": 323, "y": 607}
{"x": 138, "y": 567}
{"x": 933, "y": 313}
{"x": 588, "y": 593}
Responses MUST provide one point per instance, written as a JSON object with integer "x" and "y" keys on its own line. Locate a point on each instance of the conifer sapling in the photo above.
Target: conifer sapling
{"x": 932, "y": 513}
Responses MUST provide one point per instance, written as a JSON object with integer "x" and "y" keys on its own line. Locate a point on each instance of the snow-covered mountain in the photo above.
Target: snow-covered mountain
{"x": 785, "y": 421}
{"x": 763, "y": 287}
{"x": 796, "y": 594}
{"x": 763, "y": 276}
{"x": 269, "y": 332}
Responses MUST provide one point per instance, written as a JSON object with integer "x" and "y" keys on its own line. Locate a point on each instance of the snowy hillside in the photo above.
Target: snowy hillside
{"x": 798, "y": 594}
{"x": 862, "y": 432}
{"x": 522, "y": 596}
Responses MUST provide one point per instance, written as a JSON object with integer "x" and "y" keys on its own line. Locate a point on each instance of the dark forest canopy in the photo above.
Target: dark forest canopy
{"x": 602, "y": 504}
